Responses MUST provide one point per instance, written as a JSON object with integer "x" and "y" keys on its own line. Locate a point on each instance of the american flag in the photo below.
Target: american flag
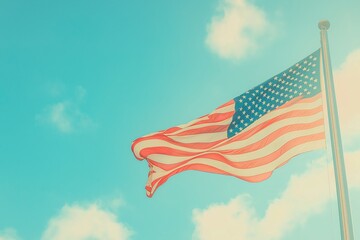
{"x": 249, "y": 136}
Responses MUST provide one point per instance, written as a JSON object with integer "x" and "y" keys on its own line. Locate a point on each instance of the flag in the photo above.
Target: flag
{"x": 249, "y": 136}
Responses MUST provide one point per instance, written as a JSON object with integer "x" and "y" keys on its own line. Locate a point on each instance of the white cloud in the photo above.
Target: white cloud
{"x": 237, "y": 30}
{"x": 347, "y": 83}
{"x": 77, "y": 222}
{"x": 8, "y": 234}
{"x": 238, "y": 219}
{"x": 66, "y": 116}
{"x": 59, "y": 117}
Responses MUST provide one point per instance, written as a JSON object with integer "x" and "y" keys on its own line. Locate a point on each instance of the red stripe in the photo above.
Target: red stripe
{"x": 226, "y": 104}
{"x": 215, "y": 117}
{"x": 243, "y": 135}
{"x": 291, "y": 114}
{"x": 252, "y": 147}
{"x": 211, "y": 169}
{"x": 201, "y": 130}
{"x": 246, "y": 164}
{"x": 249, "y": 148}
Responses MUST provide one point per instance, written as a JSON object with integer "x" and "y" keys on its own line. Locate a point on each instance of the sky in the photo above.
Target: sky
{"x": 80, "y": 80}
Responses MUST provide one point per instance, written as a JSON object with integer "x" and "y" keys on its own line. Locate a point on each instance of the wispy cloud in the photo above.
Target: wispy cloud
{"x": 347, "y": 84}
{"x": 83, "y": 222}
{"x": 236, "y": 30}
{"x": 66, "y": 115}
{"x": 8, "y": 234}
{"x": 238, "y": 218}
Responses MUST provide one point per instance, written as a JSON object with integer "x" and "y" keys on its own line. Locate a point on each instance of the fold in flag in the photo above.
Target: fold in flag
{"x": 249, "y": 136}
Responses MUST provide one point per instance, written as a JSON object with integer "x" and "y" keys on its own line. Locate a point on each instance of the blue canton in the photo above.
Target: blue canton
{"x": 302, "y": 79}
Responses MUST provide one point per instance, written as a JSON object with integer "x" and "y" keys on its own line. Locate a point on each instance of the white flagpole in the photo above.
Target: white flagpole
{"x": 335, "y": 138}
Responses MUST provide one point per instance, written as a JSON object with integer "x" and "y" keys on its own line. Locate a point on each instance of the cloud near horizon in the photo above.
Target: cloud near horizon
{"x": 236, "y": 31}
{"x": 238, "y": 218}
{"x": 347, "y": 83}
{"x": 82, "y": 222}
{"x": 8, "y": 234}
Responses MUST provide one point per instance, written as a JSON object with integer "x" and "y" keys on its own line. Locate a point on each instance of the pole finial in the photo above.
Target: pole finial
{"x": 324, "y": 25}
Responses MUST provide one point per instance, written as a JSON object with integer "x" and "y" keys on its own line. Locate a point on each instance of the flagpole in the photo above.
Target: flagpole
{"x": 335, "y": 138}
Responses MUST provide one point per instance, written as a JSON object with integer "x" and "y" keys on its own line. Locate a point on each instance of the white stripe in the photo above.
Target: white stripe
{"x": 162, "y": 143}
{"x": 270, "y": 129}
{"x": 270, "y": 115}
{"x": 242, "y": 157}
{"x": 201, "y": 138}
{"x": 278, "y": 112}
{"x": 305, "y": 147}
{"x": 224, "y": 122}
{"x": 211, "y": 137}
{"x": 226, "y": 109}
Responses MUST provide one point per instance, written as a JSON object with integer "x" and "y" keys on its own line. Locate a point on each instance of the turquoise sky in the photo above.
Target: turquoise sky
{"x": 80, "y": 80}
